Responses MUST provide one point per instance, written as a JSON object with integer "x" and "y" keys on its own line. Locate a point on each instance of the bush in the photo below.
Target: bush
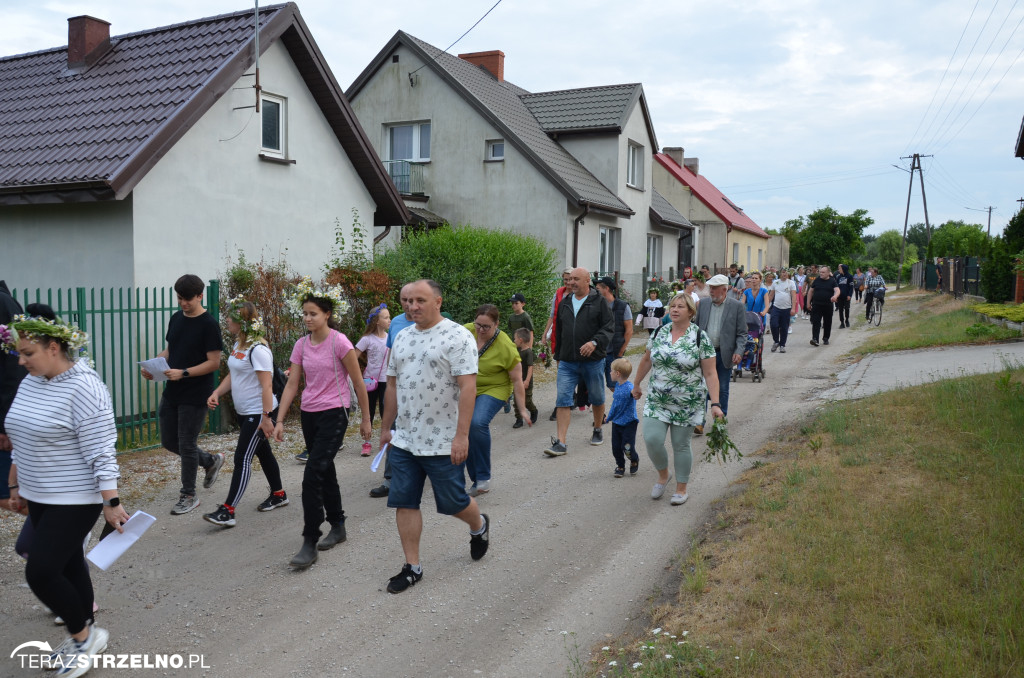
{"x": 996, "y": 273}
{"x": 1014, "y": 314}
{"x": 474, "y": 266}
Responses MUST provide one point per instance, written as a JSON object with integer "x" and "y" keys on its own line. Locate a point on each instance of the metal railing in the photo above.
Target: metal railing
{"x": 407, "y": 176}
{"x": 125, "y": 326}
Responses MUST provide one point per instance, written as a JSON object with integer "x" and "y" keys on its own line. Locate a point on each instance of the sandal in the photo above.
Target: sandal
{"x": 619, "y": 471}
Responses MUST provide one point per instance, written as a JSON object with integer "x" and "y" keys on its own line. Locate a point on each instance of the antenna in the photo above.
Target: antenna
{"x": 256, "y": 17}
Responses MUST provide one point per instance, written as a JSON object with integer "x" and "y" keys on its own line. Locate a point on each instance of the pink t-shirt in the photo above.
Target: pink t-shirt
{"x": 326, "y": 376}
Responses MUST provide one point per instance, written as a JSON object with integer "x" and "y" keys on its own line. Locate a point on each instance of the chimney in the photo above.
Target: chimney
{"x": 692, "y": 164}
{"x": 88, "y": 40}
{"x": 493, "y": 61}
{"x": 674, "y": 152}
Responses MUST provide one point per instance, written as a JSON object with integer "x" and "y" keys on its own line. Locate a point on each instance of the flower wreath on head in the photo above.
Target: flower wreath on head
{"x": 35, "y": 327}
{"x": 375, "y": 312}
{"x": 254, "y": 329}
{"x": 305, "y": 291}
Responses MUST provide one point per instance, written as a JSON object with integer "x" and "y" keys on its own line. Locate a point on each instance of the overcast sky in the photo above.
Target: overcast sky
{"x": 790, "y": 105}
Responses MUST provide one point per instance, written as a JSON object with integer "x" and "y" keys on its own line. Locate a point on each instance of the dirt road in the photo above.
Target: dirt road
{"x": 572, "y": 549}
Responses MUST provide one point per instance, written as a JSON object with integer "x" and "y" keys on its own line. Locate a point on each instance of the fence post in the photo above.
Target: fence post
{"x": 80, "y": 308}
{"x": 213, "y": 303}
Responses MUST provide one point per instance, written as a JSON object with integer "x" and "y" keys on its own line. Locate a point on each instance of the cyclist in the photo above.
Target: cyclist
{"x": 873, "y": 282}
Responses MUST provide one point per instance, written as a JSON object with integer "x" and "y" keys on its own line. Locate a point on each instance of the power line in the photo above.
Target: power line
{"x": 808, "y": 183}
{"x": 820, "y": 175}
{"x": 461, "y": 36}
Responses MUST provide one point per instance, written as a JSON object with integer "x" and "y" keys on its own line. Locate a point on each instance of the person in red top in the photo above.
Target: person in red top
{"x": 548, "y": 335}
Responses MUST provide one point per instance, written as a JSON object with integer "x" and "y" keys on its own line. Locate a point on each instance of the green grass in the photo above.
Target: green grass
{"x": 931, "y": 321}
{"x": 1012, "y": 313}
{"x": 898, "y": 555}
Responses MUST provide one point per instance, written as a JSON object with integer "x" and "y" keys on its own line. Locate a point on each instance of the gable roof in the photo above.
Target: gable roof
{"x": 93, "y": 135}
{"x": 732, "y": 215}
{"x": 589, "y": 109}
{"x": 1020, "y": 142}
{"x": 501, "y": 104}
{"x": 663, "y": 213}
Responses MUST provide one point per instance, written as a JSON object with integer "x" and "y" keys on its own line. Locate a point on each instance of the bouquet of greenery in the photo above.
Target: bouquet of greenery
{"x": 720, "y": 445}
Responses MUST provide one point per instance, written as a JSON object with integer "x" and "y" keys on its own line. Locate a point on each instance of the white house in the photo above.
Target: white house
{"x": 571, "y": 167}
{"x": 130, "y": 160}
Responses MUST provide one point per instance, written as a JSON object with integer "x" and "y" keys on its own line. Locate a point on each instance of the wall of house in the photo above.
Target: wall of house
{"x": 211, "y": 196}
{"x": 713, "y": 239}
{"x": 67, "y": 245}
{"x": 462, "y": 187}
{"x": 749, "y": 246}
{"x": 601, "y": 154}
{"x": 778, "y": 251}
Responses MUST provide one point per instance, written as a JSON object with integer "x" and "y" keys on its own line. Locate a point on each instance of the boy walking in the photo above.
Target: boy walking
{"x": 522, "y": 339}
{"x": 193, "y": 354}
{"x": 623, "y": 419}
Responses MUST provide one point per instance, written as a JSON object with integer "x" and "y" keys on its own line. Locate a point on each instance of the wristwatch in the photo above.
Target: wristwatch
{"x": 184, "y": 373}
{"x": 112, "y": 502}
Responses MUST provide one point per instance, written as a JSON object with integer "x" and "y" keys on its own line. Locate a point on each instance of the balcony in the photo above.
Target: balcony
{"x": 407, "y": 176}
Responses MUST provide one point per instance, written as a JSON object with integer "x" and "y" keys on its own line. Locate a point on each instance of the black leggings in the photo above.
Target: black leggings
{"x": 56, "y": 571}
{"x": 252, "y": 442}
{"x": 323, "y": 433}
{"x": 376, "y": 397}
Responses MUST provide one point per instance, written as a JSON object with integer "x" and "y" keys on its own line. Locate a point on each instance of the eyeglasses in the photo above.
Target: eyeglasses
{"x": 484, "y": 328}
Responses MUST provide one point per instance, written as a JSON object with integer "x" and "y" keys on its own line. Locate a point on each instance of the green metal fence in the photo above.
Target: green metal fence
{"x": 125, "y": 325}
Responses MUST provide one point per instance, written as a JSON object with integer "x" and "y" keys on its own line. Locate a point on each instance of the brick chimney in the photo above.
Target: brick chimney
{"x": 674, "y": 152}
{"x": 692, "y": 164}
{"x": 88, "y": 40}
{"x": 493, "y": 61}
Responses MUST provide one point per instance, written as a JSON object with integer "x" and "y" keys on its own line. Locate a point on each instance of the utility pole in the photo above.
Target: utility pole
{"x": 915, "y": 165}
{"x": 989, "y": 209}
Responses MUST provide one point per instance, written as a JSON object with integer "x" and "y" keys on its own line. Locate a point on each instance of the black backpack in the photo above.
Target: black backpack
{"x": 277, "y": 381}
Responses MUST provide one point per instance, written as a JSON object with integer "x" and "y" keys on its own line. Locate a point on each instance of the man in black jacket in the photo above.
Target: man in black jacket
{"x": 584, "y": 328}
{"x": 11, "y": 374}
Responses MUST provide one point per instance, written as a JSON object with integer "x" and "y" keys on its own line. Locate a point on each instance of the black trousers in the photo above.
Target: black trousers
{"x": 624, "y": 443}
{"x": 323, "y": 433}
{"x": 843, "y": 306}
{"x": 821, "y": 320}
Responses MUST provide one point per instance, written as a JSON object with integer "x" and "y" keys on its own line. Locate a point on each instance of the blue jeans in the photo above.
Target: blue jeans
{"x": 478, "y": 462}
{"x": 180, "y": 426}
{"x": 612, "y": 356}
{"x": 571, "y": 373}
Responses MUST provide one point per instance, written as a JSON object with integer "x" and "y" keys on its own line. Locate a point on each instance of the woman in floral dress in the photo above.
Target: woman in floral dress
{"x": 680, "y": 359}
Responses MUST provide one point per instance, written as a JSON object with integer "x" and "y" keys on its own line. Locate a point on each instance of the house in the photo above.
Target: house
{"x": 1019, "y": 152}
{"x": 130, "y": 160}
{"x": 570, "y": 167}
{"x": 725, "y": 234}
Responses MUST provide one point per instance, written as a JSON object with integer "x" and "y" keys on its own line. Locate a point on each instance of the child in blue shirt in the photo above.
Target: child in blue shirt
{"x": 622, "y": 415}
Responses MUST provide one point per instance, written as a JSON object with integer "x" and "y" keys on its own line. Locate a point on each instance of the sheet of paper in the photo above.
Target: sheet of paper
{"x": 380, "y": 457}
{"x": 115, "y": 544}
{"x": 156, "y": 367}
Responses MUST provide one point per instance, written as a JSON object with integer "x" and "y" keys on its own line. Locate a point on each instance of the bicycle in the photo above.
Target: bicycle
{"x": 875, "y": 311}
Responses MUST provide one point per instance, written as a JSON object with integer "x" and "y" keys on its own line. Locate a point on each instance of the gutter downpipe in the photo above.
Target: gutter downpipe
{"x": 728, "y": 232}
{"x": 377, "y": 239}
{"x": 576, "y": 233}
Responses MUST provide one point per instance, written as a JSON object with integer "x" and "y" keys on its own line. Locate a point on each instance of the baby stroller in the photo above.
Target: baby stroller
{"x": 753, "y": 352}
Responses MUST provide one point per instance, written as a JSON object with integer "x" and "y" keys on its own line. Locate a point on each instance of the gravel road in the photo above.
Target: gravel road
{"x": 572, "y": 549}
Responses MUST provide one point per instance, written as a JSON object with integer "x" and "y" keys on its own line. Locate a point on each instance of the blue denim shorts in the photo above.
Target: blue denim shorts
{"x": 408, "y": 473}
{"x": 590, "y": 372}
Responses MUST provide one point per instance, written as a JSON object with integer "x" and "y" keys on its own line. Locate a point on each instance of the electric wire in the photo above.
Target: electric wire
{"x": 810, "y": 183}
{"x": 445, "y": 50}
{"x": 782, "y": 183}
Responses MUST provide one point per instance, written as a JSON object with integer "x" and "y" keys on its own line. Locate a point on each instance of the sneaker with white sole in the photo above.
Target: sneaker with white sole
{"x": 782, "y": 349}
{"x": 556, "y": 448}
{"x": 72, "y": 659}
{"x": 659, "y": 488}
{"x": 679, "y": 499}
{"x": 273, "y": 501}
{"x": 186, "y": 503}
{"x": 223, "y": 516}
{"x": 480, "y": 487}
{"x": 213, "y": 470}
{"x": 597, "y": 438}
{"x": 404, "y": 579}
{"x": 366, "y": 450}
{"x": 478, "y": 543}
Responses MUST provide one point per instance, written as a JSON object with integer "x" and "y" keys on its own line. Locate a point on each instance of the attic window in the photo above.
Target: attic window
{"x": 495, "y": 150}
{"x": 273, "y": 111}
{"x": 635, "y": 165}
{"x": 731, "y": 204}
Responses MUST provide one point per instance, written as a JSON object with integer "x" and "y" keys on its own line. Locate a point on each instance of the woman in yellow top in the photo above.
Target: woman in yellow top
{"x": 498, "y": 375}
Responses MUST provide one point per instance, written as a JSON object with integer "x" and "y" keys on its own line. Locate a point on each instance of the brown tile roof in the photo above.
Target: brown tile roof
{"x": 93, "y": 135}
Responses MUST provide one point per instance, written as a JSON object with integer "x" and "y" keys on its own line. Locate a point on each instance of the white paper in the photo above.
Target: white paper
{"x": 156, "y": 367}
{"x": 380, "y": 456}
{"x": 115, "y": 544}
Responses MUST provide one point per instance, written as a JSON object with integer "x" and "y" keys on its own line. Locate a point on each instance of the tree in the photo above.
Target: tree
{"x": 917, "y": 234}
{"x": 826, "y": 236}
{"x": 889, "y": 245}
{"x": 958, "y": 239}
{"x": 996, "y": 281}
{"x": 1013, "y": 234}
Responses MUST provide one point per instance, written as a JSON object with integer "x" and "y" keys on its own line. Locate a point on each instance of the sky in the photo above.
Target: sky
{"x": 789, "y": 105}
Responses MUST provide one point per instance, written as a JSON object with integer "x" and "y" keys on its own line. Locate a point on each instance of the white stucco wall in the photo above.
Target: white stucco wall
{"x": 211, "y": 196}
{"x": 462, "y": 187}
{"x": 66, "y": 245}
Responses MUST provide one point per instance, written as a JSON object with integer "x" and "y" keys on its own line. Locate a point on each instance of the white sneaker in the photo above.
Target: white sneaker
{"x": 73, "y": 666}
{"x": 791, "y": 330}
{"x": 679, "y": 499}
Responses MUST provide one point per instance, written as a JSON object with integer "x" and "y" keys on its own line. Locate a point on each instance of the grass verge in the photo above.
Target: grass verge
{"x": 931, "y": 320}
{"x": 890, "y": 547}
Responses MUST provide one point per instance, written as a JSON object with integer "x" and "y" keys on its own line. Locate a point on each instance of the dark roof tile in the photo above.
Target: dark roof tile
{"x": 597, "y": 108}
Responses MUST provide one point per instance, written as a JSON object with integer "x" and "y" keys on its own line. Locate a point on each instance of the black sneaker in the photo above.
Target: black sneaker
{"x": 222, "y": 516}
{"x": 403, "y": 579}
{"x": 302, "y": 457}
{"x": 478, "y": 543}
{"x": 518, "y": 424}
{"x": 273, "y": 501}
{"x": 213, "y": 470}
{"x": 556, "y": 448}
{"x": 825, "y": 341}
{"x": 554, "y": 415}
{"x": 597, "y": 438}
{"x": 533, "y": 416}
{"x": 814, "y": 342}
{"x": 379, "y": 491}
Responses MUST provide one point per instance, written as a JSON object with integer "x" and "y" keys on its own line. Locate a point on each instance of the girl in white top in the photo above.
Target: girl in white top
{"x": 251, "y": 374}
{"x": 373, "y": 345}
{"x": 653, "y": 311}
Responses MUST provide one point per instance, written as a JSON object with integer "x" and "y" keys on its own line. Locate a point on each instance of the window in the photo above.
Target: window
{"x": 408, "y": 142}
{"x": 608, "y": 256}
{"x": 760, "y": 261}
{"x": 273, "y": 114}
{"x": 495, "y": 150}
{"x": 748, "y": 259}
{"x": 635, "y": 165}
{"x": 735, "y": 253}
{"x": 654, "y": 245}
